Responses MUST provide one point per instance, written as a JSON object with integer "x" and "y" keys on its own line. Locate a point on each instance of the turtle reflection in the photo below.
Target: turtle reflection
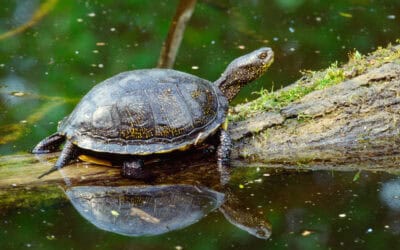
{"x": 152, "y": 210}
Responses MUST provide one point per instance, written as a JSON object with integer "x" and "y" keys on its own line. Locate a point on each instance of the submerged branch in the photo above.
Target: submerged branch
{"x": 42, "y": 11}
{"x": 172, "y": 43}
{"x": 15, "y": 131}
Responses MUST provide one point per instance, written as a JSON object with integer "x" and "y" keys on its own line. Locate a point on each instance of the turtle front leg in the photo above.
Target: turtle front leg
{"x": 67, "y": 154}
{"x": 223, "y": 153}
{"x": 133, "y": 169}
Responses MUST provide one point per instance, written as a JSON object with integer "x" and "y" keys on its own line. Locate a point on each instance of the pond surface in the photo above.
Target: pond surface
{"x": 304, "y": 210}
{"x": 48, "y": 67}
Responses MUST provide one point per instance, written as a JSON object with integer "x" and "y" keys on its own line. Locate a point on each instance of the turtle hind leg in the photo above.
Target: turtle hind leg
{"x": 67, "y": 154}
{"x": 223, "y": 156}
{"x": 134, "y": 169}
{"x": 49, "y": 144}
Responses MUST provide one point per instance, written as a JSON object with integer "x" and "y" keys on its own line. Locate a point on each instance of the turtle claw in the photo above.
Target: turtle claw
{"x": 134, "y": 169}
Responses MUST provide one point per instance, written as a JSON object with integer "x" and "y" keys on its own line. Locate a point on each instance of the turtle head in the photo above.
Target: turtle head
{"x": 243, "y": 70}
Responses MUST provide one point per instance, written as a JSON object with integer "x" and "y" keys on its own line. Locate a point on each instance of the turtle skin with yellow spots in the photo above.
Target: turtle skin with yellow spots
{"x": 153, "y": 111}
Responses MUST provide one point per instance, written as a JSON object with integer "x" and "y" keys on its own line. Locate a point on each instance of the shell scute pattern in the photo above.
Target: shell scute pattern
{"x": 137, "y": 113}
{"x": 146, "y": 111}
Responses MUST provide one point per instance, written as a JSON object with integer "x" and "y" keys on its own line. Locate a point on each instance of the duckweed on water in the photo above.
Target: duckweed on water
{"x": 316, "y": 80}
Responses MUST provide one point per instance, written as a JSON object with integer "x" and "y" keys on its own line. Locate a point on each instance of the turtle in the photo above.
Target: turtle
{"x": 153, "y": 111}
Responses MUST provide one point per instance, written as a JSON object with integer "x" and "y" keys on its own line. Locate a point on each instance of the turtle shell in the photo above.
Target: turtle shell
{"x": 147, "y": 111}
{"x": 144, "y": 210}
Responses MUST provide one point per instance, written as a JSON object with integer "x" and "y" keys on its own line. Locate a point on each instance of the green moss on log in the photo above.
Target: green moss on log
{"x": 316, "y": 80}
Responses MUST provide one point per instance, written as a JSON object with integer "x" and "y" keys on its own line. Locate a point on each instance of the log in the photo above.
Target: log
{"x": 353, "y": 121}
{"x": 342, "y": 118}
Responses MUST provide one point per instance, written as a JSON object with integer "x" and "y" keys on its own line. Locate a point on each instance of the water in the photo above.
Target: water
{"x": 46, "y": 69}
{"x": 306, "y": 210}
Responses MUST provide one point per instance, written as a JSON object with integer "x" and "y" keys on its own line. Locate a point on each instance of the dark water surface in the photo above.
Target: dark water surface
{"x": 46, "y": 69}
{"x": 306, "y": 210}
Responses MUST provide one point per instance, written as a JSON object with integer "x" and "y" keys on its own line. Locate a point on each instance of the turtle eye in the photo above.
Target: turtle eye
{"x": 263, "y": 55}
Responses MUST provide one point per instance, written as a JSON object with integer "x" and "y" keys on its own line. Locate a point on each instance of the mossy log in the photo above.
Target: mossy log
{"x": 342, "y": 118}
{"x": 352, "y": 121}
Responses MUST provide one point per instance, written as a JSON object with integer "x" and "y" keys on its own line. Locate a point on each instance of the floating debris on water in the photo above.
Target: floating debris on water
{"x": 258, "y": 180}
{"x": 342, "y": 215}
{"x": 114, "y": 213}
{"x": 241, "y": 47}
{"x": 345, "y": 14}
{"x": 50, "y": 237}
{"x": 195, "y": 67}
{"x": 357, "y": 175}
{"x": 92, "y": 14}
{"x": 391, "y": 17}
{"x": 306, "y": 233}
{"x": 18, "y": 93}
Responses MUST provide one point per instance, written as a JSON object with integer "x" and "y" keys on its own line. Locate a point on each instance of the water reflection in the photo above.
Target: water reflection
{"x": 307, "y": 210}
{"x": 146, "y": 210}
{"x": 143, "y": 210}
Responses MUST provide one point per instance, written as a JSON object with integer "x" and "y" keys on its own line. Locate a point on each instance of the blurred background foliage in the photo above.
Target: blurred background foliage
{"x": 48, "y": 67}
{"x": 80, "y": 43}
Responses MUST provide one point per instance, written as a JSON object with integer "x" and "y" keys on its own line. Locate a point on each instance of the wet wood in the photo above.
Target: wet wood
{"x": 173, "y": 41}
{"x": 20, "y": 187}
